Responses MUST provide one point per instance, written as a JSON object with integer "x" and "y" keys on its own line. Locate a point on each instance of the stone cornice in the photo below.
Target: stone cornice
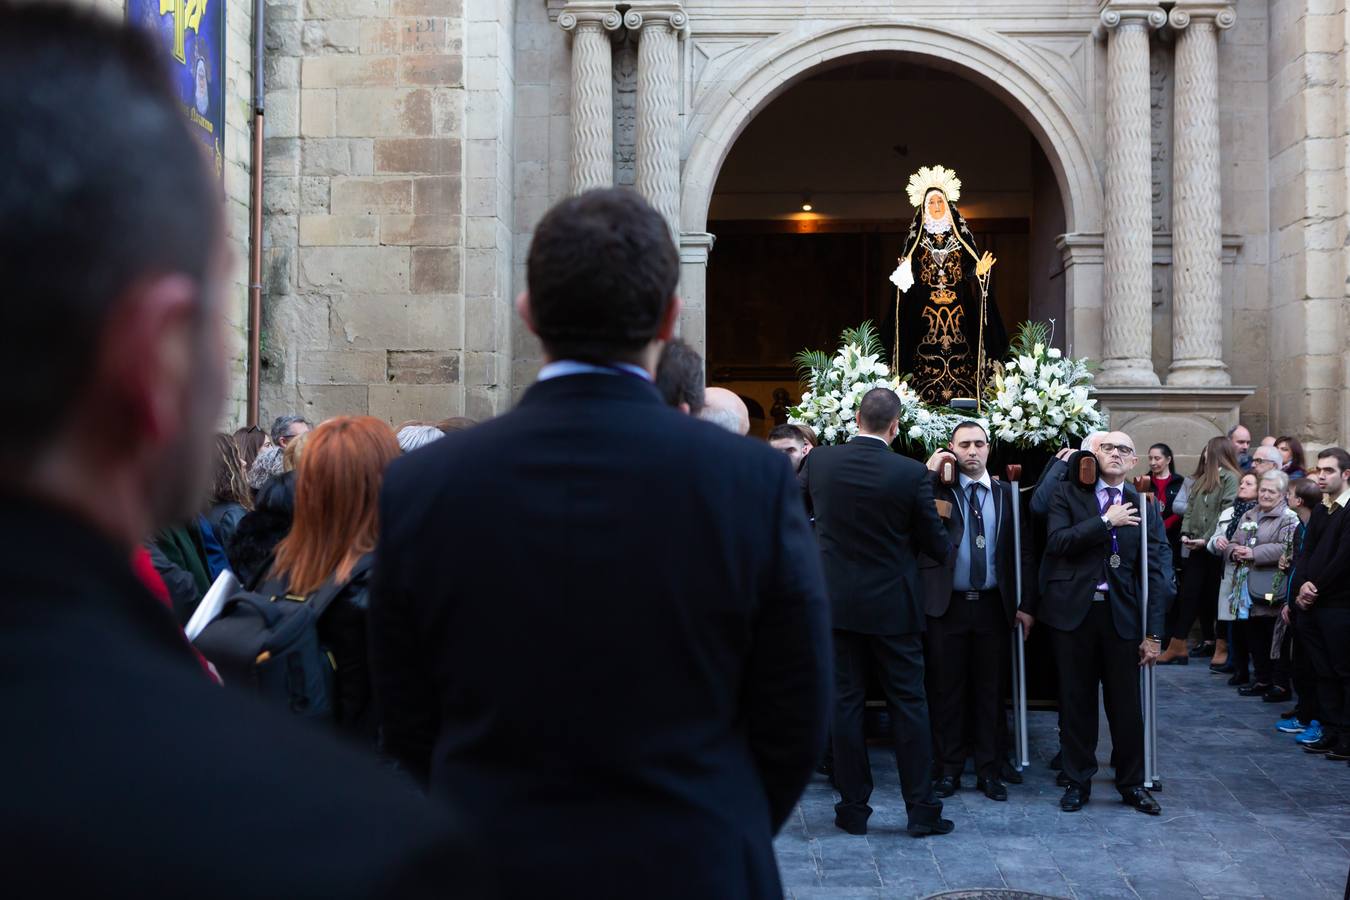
{"x": 1116, "y": 12}
{"x": 576, "y": 14}
{"x": 1221, "y": 14}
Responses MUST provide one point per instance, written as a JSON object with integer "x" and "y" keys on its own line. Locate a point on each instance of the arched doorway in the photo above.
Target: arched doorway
{"x": 1051, "y": 103}
{"x": 843, "y": 142}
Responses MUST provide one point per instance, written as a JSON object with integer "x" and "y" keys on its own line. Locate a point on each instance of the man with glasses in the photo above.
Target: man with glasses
{"x": 1091, "y": 604}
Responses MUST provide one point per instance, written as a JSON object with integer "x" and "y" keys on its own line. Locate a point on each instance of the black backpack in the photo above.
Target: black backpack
{"x": 267, "y": 641}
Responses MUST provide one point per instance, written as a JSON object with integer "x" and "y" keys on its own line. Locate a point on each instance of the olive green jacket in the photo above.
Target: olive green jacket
{"x": 1202, "y": 509}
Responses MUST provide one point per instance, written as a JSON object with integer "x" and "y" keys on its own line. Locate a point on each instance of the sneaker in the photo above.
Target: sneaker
{"x": 1312, "y": 734}
{"x": 1291, "y": 725}
{"x": 1325, "y": 745}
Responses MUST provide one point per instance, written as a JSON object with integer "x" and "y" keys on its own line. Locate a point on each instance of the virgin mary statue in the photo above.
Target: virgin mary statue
{"x": 948, "y": 329}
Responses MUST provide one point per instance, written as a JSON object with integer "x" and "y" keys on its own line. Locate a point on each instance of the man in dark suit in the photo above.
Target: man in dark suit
{"x": 597, "y": 622}
{"x": 874, "y": 513}
{"x": 970, "y": 599}
{"x": 1091, "y": 601}
{"x": 128, "y": 772}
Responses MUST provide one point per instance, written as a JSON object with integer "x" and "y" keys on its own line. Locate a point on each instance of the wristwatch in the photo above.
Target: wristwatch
{"x": 1153, "y": 637}
{"x": 1106, "y": 520}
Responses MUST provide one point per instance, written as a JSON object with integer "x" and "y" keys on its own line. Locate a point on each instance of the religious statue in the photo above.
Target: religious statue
{"x": 947, "y": 329}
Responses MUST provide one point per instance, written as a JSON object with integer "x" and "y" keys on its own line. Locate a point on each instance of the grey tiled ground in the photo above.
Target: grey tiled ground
{"x": 1245, "y": 814}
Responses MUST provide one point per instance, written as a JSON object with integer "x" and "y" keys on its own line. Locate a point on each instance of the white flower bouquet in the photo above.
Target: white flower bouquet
{"x": 1040, "y": 398}
{"x": 835, "y": 385}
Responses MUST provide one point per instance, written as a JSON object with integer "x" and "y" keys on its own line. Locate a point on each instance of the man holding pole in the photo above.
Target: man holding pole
{"x": 1094, "y": 581}
{"x": 970, "y": 600}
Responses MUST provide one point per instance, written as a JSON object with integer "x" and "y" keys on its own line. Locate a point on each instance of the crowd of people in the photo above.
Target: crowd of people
{"x": 592, "y": 647}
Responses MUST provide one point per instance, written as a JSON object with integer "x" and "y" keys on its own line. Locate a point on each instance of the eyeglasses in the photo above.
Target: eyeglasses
{"x": 1125, "y": 450}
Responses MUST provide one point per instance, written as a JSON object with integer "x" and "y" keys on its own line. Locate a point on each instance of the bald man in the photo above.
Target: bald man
{"x": 1092, "y": 607}
{"x": 723, "y": 408}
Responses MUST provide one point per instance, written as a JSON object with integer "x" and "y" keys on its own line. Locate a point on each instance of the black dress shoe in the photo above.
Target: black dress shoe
{"x": 993, "y": 788}
{"x": 1238, "y": 678}
{"x": 1073, "y": 799}
{"x": 852, "y": 826}
{"x": 947, "y": 785}
{"x": 1340, "y": 753}
{"x": 1057, "y": 761}
{"x": 1253, "y": 690}
{"x": 1062, "y": 780}
{"x": 1277, "y": 694}
{"x": 1321, "y": 745}
{"x": 1175, "y": 661}
{"x": 935, "y": 826}
{"x": 1203, "y": 650}
{"x": 1008, "y": 772}
{"x": 1225, "y": 669}
{"x": 1141, "y": 800}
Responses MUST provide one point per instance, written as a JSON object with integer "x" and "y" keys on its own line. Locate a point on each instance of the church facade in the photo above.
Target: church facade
{"x": 1183, "y": 215}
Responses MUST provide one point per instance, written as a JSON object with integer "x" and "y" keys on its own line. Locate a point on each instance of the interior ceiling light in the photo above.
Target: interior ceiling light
{"x": 806, "y": 202}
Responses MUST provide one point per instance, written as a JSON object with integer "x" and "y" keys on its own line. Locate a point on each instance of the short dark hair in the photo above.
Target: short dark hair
{"x": 101, "y": 184}
{"x": 1307, "y": 491}
{"x": 602, "y": 273}
{"x": 878, "y": 409}
{"x": 788, "y": 433}
{"x": 679, "y": 376}
{"x": 1342, "y": 458}
{"x": 971, "y": 423}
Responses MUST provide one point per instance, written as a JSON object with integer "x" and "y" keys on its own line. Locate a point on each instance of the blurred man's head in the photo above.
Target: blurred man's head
{"x": 1090, "y": 442}
{"x": 1241, "y": 438}
{"x": 725, "y": 410}
{"x": 1266, "y": 459}
{"x": 111, "y": 251}
{"x": 1333, "y": 471}
{"x": 970, "y": 444}
{"x": 287, "y": 428}
{"x": 1115, "y": 456}
{"x": 679, "y": 377}
{"x": 879, "y": 414}
{"x": 789, "y": 439}
{"x": 601, "y": 280}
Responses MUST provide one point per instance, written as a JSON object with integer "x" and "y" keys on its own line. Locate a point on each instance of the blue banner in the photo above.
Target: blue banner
{"x": 192, "y": 33}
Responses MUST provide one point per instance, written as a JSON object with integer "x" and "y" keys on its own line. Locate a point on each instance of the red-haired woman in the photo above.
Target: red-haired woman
{"x": 332, "y": 537}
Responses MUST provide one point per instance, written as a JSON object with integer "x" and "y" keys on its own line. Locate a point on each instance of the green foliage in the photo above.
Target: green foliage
{"x": 1029, "y": 334}
{"x": 865, "y": 336}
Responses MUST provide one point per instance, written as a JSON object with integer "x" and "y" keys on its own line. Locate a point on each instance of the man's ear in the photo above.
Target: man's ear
{"x": 523, "y": 310}
{"x": 670, "y": 319}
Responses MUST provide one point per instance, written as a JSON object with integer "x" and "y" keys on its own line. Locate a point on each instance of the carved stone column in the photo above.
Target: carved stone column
{"x": 1197, "y": 313}
{"x": 658, "y": 109}
{"x": 592, "y": 92}
{"x": 1127, "y": 301}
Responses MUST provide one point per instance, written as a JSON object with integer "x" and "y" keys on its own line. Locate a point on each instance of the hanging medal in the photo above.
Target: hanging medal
{"x": 979, "y": 541}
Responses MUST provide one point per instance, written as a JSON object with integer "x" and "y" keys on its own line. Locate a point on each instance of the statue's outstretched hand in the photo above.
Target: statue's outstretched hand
{"x": 985, "y": 264}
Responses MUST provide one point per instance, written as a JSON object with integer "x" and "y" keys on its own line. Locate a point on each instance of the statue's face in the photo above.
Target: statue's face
{"x": 937, "y": 206}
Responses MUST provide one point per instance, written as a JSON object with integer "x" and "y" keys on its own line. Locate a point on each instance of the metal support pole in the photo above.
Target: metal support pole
{"x": 1148, "y": 694}
{"x": 1019, "y": 654}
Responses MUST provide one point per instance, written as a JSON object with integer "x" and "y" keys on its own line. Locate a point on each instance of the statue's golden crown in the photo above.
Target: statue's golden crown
{"x": 930, "y": 177}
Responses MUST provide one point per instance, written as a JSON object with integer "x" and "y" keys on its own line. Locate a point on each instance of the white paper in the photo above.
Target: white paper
{"x": 903, "y": 276}
{"x": 211, "y": 605}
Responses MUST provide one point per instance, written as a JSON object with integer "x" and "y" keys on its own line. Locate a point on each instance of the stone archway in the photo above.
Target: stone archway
{"x": 1029, "y": 88}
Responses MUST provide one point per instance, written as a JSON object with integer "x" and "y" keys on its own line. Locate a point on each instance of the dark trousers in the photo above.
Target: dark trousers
{"x": 1282, "y": 666}
{"x": 1328, "y": 645}
{"x": 1198, "y": 594}
{"x": 1240, "y": 650}
{"x": 899, "y": 664}
{"x": 1260, "y": 631}
{"x": 1305, "y": 676}
{"x": 969, "y": 649}
{"x": 1090, "y": 655}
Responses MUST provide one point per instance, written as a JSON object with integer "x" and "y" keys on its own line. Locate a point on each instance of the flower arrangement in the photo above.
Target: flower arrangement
{"x": 835, "y": 385}
{"x": 1038, "y": 397}
{"x": 1241, "y": 603}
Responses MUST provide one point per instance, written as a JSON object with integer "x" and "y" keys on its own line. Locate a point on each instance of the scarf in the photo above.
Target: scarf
{"x": 1240, "y": 508}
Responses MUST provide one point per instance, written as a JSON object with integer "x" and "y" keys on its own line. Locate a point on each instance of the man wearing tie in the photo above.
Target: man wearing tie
{"x": 970, "y": 599}
{"x": 1091, "y": 603}
{"x": 874, "y": 511}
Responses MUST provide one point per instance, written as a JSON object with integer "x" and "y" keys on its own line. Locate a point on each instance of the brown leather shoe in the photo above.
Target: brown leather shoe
{"x": 1176, "y": 650}
{"x": 1220, "y": 657}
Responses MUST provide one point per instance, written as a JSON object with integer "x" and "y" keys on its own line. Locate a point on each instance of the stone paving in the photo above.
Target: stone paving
{"x": 1246, "y": 813}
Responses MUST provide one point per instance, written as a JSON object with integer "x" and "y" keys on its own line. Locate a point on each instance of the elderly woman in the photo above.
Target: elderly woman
{"x": 1225, "y": 532}
{"x": 1264, "y": 534}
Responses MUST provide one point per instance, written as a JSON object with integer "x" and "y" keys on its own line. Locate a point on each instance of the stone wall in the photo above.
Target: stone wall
{"x": 1307, "y": 237}
{"x": 364, "y": 196}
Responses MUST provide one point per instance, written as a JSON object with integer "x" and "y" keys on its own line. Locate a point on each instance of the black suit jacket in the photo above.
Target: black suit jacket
{"x": 938, "y": 576}
{"x": 601, "y": 626}
{"x": 874, "y": 514}
{"x": 130, "y": 774}
{"x": 1077, "y": 546}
